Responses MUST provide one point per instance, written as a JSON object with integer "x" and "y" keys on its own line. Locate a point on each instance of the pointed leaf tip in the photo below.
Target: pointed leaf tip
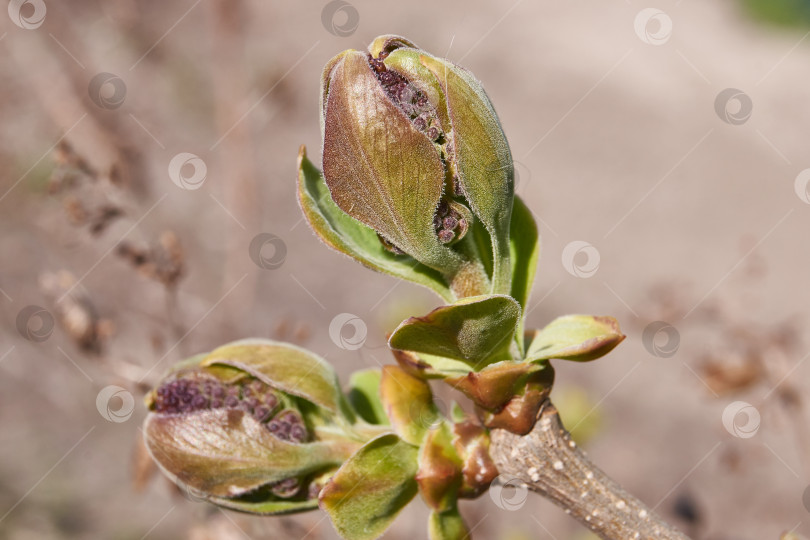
{"x": 579, "y": 338}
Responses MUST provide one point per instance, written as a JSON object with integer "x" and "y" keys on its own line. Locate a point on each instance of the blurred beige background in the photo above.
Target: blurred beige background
{"x": 693, "y": 208}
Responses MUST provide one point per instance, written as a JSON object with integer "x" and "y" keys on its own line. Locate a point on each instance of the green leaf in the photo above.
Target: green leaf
{"x": 477, "y": 331}
{"x": 264, "y": 501}
{"x": 426, "y": 366}
{"x": 267, "y": 507}
{"x": 575, "y": 337}
{"x": 524, "y": 245}
{"x": 371, "y": 488}
{"x": 285, "y": 367}
{"x": 227, "y": 453}
{"x": 447, "y": 525}
{"x": 484, "y": 160}
{"x": 408, "y": 403}
{"x": 343, "y": 233}
{"x": 364, "y": 396}
{"x": 440, "y": 367}
{"x": 380, "y": 169}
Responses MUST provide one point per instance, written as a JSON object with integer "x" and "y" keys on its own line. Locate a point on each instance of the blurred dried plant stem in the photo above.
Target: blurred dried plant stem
{"x": 91, "y": 200}
{"x": 549, "y": 462}
{"x": 59, "y": 85}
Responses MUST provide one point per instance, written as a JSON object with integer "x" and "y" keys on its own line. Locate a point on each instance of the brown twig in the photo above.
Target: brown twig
{"x": 549, "y": 462}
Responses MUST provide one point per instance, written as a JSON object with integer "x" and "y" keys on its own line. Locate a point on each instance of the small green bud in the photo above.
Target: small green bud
{"x": 478, "y": 471}
{"x": 492, "y": 387}
{"x": 520, "y": 412}
{"x": 439, "y": 475}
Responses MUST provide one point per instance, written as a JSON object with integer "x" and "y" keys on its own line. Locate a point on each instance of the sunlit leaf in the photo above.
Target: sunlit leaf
{"x": 371, "y": 488}
{"x": 575, "y": 337}
{"x": 347, "y": 235}
{"x": 226, "y": 453}
{"x": 408, "y": 403}
{"x": 477, "y": 330}
{"x": 286, "y": 367}
{"x": 484, "y": 159}
{"x": 524, "y": 245}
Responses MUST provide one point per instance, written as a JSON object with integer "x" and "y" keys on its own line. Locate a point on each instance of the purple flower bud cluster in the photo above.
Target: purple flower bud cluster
{"x": 408, "y": 99}
{"x": 288, "y": 426}
{"x": 448, "y": 223}
{"x": 194, "y": 394}
{"x": 188, "y": 394}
